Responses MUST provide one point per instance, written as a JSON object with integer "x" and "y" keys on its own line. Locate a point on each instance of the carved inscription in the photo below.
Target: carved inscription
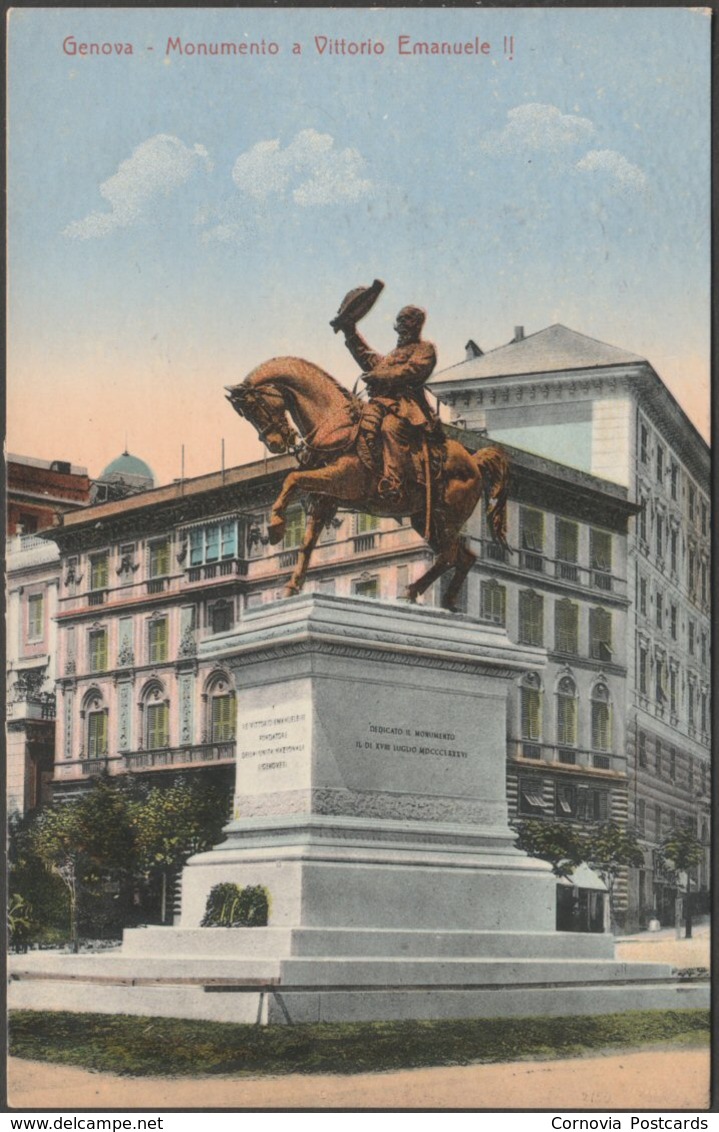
{"x": 411, "y": 741}
{"x": 273, "y": 738}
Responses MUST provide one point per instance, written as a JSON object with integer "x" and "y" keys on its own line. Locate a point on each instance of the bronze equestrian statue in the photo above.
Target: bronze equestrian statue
{"x": 385, "y": 457}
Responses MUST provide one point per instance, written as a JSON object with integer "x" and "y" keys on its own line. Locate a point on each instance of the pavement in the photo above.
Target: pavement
{"x": 657, "y": 1078}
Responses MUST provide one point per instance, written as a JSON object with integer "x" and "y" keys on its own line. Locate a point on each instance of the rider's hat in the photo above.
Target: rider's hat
{"x": 355, "y": 305}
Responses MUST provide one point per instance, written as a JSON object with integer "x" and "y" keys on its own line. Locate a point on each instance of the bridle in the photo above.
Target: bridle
{"x": 252, "y": 404}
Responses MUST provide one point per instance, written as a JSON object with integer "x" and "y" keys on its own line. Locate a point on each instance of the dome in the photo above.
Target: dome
{"x": 129, "y": 469}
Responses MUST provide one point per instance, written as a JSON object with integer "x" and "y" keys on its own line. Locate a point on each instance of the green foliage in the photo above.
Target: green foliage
{"x": 175, "y": 1047}
{"x": 171, "y": 823}
{"x": 19, "y": 921}
{"x": 554, "y": 841}
{"x": 609, "y": 848}
{"x": 681, "y": 850}
{"x": 229, "y": 906}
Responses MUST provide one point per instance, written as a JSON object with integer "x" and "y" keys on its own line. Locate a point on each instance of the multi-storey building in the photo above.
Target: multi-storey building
{"x": 606, "y": 411}
{"x": 146, "y": 578}
{"x": 40, "y": 490}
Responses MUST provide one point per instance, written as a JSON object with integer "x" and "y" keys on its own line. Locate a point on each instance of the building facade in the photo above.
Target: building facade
{"x": 40, "y": 490}
{"x": 607, "y": 412}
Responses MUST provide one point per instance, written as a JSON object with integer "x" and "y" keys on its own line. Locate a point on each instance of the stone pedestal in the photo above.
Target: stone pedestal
{"x": 371, "y": 768}
{"x": 371, "y": 805}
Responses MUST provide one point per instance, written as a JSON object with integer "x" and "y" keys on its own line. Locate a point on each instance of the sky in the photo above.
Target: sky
{"x": 177, "y": 218}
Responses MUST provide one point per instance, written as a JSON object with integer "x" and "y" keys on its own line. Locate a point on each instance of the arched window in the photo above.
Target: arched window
{"x": 94, "y": 714}
{"x": 155, "y": 708}
{"x": 601, "y": 718}
{"x": 566, "y": 712}
{"x": 221, "y": 708}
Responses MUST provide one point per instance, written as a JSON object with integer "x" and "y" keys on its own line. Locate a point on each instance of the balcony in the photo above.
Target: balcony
{"x": 156, "y": 585}
{"x": 563, "y": 755}
{"x": 567, "y": 571}
{"x": 31, "y": 705}
{"x": 195, "y": 755}
{"x": 363, "y": 543}
{"x": 97, "y": 597}
{"x": 92, "y": 767}
{"x": 289, "y": 558}
{"x": 602, "y": 580}
{"x": 232, "y": 567}
{"x": 571, "y": 573}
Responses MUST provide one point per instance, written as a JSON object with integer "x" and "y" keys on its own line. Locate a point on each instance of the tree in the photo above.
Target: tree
{"x": 680, "y": 852}
{"x": 609, "y": 848}
{"x": 57, "y": 839}
{"x": 554, "y": 841}
{"x": 172, "y": 823}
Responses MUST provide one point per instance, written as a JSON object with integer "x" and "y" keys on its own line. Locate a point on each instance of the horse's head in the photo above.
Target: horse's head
{"x": 264, "y": 407}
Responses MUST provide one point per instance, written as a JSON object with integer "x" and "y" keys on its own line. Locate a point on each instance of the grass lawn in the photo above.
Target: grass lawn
{"x": 178, "y": 1047}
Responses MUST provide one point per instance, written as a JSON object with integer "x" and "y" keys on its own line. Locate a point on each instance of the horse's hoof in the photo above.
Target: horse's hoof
{"x": 276, "y": 531}
{"x": 290, "y": 591}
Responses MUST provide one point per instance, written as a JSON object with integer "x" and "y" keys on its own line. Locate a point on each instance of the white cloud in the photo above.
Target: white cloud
{"x": 608, "y": 161}
{"x": 310, "y": 169}
{"x": 537, "y": 126}
{"x": 156, "y": 167}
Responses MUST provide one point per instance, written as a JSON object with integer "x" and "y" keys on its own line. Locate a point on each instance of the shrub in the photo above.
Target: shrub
{"x": 229, "y": 906}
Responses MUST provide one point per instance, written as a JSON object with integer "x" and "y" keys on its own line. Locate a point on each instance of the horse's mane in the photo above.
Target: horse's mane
{"x": 291, "y": 367}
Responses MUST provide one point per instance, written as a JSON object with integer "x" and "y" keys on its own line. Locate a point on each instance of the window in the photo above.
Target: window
{"x": 566, "y": 800}
{"x": 643, "y": 519}
{"x": 566, "y": 713}
{"x": 704, "y": 648}
{"x": 673, "y": 622}
{"x": 601, "y": 719}
{"x": 366, "y": 587}
{"x": 660, "y": 536}
{"x": 641, "y": 815}
{"x": 531, "y": 536}
{"x": 643, "y": 670}
{"x": 600, "y": 554}
{"x": 223, "y": 718}
{"x": 675, "y": 481}
{"x": 705, "y": 517}
{"x": 592, "y": 805}
{"x": 600, "y": 634}
{"x": 221, "y": 616}
{"x": 691, "y": 572}
{"x": 159, "y": 558}
{"x": 691, "y": 702}
{"x": 673, "y": 690}
{"x": 690, "y": 775}
{"x": 158, "y": 726}
{"x": 674, "y": 551}
{"x": 704, "y": 575}
{"x": 98, "y": 572}
{"x": 567, "y": 549}
{"x": 657, "y": 823}
{"x": 531, "y": 707}
{"x": 294, "y": 528}
{"x": 658, "y": 758}
{"x": 660, "y": 464}
{"x": 644, "y": 444}
{"x": 659, "y": 609}
{"x": 157, "y": 641}
{"x": 672, "y": 764}
{"x": 531, "y": 618}
{"x": 692, "y": 496}
{"x": 493, "y": 602}
{"x": 365, "y": 523}
{"x": 35, "y": 617}
{"x": 704, "y": 713}
{"x": 96, "y": 734}
{"x": 691, "y": 635}
{"x": 660, "y": 678}
{"x": 214, "y": 542}
{"x": 98, "y": 650}
{"x": 643, "y": 596}
{"x": 530, "y": 797}
{"x": 642, "y": 748}
{"x": 566, "y": 627}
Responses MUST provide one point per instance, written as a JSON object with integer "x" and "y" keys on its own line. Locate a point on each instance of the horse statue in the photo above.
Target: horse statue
{"x": 334, "y": 472}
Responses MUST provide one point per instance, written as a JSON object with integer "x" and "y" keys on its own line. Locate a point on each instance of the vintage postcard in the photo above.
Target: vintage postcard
{"x": 358, "y": 572}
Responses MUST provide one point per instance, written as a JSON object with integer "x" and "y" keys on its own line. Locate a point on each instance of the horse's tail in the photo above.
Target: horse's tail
{"x": 493, "y": 466}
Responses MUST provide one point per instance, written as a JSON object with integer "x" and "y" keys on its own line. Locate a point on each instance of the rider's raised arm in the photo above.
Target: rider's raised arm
{"x": 362, "y": 353}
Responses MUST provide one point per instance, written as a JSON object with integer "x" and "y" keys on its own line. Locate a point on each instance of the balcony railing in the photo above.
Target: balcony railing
{"x": 26, "y": 703}
{"x": 156, "y": 585}
{"x": 180, "y": 756}
{"x": 96, "y": 597}
{"x": 91, "y": 767}
{"x": 562, "y": 754}
{"x": 363, "y": 543}
{"x": 217, "y": 569}
{"x": 533, "y": 561}
{"x": 289, "y": 558}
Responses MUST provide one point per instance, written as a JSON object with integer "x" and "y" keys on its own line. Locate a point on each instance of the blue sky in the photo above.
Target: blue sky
{"x": 174, "y": 219}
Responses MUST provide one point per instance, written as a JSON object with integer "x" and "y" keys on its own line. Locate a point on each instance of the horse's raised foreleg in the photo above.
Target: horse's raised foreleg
{"x": 347, "y": 481}
{"x": 315, "y": 522}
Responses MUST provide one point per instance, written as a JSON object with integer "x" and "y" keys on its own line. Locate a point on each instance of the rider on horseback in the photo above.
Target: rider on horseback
{"x": 398, "y": 411}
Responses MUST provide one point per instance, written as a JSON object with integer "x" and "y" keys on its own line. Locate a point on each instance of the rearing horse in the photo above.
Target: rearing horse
{"x": 327, "y": 418}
